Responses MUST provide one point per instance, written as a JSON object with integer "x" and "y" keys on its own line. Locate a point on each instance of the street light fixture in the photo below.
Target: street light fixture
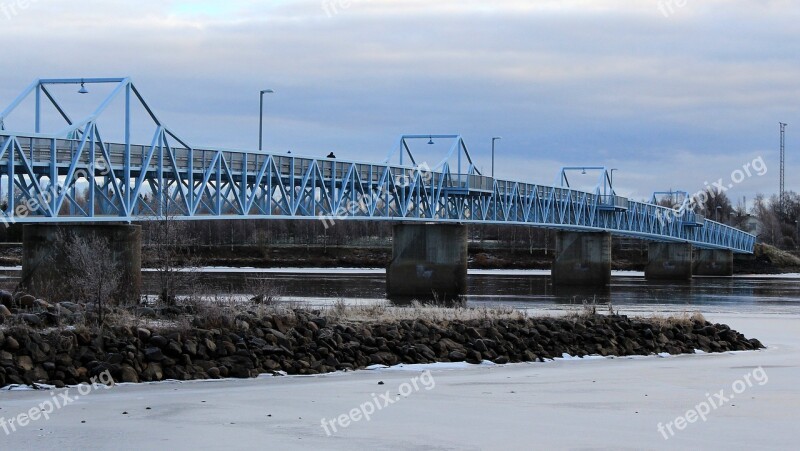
{"x": 611, "y": 180}
{"x": 716, "y": 211}
{"x": 493, "y": 141}
{"x": 83, "y": 89}
{"x": 261, "y": 119}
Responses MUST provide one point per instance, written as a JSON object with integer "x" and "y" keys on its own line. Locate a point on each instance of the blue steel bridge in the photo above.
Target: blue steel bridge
{"x": 74, "y": 175}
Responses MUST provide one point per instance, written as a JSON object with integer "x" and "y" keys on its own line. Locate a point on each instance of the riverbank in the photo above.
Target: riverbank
{"x": 564, "y": 404}
{"x": 766, "y": 260}
{"x": 242, "y": 341}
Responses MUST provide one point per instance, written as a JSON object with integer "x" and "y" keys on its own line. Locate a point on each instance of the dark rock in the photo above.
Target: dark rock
{"x": 26, "y": 301}
{"x": 11, "y": 343}
{"x": 146, "y": 312}
{"x": 6, "y": 299}
{"x": 153, "y": 354}
{"x": 158, "y": 341}
{"x": 457, "y": 356}
{"x": 153, "y": 372}
{"x": 31, "y": 319}
{"x": 25, "y": 363}
{"x": 129, "y": 374}
{"x": 70, "y": 306}
{"x": 143, "y": 334}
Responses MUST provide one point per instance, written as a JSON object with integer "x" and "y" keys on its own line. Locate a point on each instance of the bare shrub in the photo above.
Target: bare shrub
{"x": 95, "y": 275}
{"x": 262, "y": 291}
{"x": 169, "y": 252}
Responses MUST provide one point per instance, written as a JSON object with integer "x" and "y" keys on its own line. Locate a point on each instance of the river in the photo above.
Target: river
{"x": 529, "y": 290}
{"x": 522, "y": 289}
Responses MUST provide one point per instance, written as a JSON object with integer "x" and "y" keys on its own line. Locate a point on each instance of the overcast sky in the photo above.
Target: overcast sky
{"x": 673, "y": 93}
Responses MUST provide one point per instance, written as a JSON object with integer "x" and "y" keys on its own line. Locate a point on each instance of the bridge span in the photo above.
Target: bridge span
{"x": 72, "y": 175}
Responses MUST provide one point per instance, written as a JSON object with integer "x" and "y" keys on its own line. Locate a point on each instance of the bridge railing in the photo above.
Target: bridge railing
{"x": 500, "y": 201}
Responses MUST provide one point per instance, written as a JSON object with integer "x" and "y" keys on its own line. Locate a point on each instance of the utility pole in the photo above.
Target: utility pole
{"x": 782, "y": 193}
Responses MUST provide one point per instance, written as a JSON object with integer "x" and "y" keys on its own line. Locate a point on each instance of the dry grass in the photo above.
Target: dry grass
{"x": 776, "y": 256}
{"x": 221, "y": 312}
{"x": 386, "y": 313}
{"x": 685, "y": 318}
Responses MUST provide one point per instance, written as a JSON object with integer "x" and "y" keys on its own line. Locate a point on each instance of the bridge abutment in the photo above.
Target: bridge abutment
{"x": 428, "y": 260}
{"x": 582, "y": 259}
{"x": 713, "y": 262}
{"x": 49, "y": 264}
{"x": 669, "y": 261}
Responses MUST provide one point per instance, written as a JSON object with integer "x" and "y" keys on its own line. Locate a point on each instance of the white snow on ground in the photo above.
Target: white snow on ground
{"x": 584, "y": 404}
{"x": 439, "y": 366}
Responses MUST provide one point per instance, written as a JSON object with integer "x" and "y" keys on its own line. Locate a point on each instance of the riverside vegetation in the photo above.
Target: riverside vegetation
{"x": 61, "y": 344}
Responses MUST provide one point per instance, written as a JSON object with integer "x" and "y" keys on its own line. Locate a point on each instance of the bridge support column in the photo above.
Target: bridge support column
{"x": 713, "y": 262}
{"x": 47, "y": 271}
{"x": 428, "y": 261}
{"x": 669, "y": 261}
{"x": 582, "y": 259}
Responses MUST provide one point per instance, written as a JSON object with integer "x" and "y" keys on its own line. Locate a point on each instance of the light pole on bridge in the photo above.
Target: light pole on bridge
{"x": 611, "y": 180}
{"x": 261, "y": 118}
{"x": 493, "y": 141}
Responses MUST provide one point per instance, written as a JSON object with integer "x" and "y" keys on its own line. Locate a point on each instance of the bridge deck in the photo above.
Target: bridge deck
{"x": 76, "y": 176}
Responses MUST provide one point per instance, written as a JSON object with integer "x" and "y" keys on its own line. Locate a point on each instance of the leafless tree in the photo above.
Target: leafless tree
{"x": 95, "y": 275}
{"x": 169, "y": 253}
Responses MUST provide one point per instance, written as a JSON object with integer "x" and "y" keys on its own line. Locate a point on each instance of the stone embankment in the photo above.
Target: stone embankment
{"x": 187, "y": 346}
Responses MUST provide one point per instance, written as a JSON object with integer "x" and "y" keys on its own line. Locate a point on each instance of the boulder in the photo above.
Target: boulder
{"x": 27, "y": 301}
{"x": 153, "y": 354}
{"x": 153, "y": 372}
{"x": 24, "y": 363}
{"x": 11, "y": 344}
{"x": 6, "y": 299}
{"x": 31, "y": 319}
{"x": 129, "y": 374}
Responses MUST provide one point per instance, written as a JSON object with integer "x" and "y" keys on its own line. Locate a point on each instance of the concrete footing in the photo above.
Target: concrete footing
{"x": 47, "y": 270}
{"x": 428, "y": 261}
{"x": 713, "y": 262}
{"x": 582, "y": 259}
{"x": 669, "y": 261}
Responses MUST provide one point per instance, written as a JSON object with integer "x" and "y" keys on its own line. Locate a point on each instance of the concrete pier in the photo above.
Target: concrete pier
{"x": 582, "y": 259}
{"x": 46, "y": 270}
{"x": 669, "y": 261}
{"x": 428, "y": 261}
{"x": 713, "y": 262}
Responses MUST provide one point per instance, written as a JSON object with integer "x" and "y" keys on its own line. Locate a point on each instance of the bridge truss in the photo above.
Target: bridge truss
{"x": 74, "y": 175}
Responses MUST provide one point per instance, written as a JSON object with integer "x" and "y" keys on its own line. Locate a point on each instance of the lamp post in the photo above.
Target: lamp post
{"x": 716, "y": 211}
{"x": 493, "y": 141}
{"x": 261, "y": 118}
{"x": 611, "y": 181}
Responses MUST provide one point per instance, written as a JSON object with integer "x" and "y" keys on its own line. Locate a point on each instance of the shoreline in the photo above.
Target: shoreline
{"x": 204, "y": 340}
{"x": 374, "y": 270}
{"x": 616, "y": 402}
